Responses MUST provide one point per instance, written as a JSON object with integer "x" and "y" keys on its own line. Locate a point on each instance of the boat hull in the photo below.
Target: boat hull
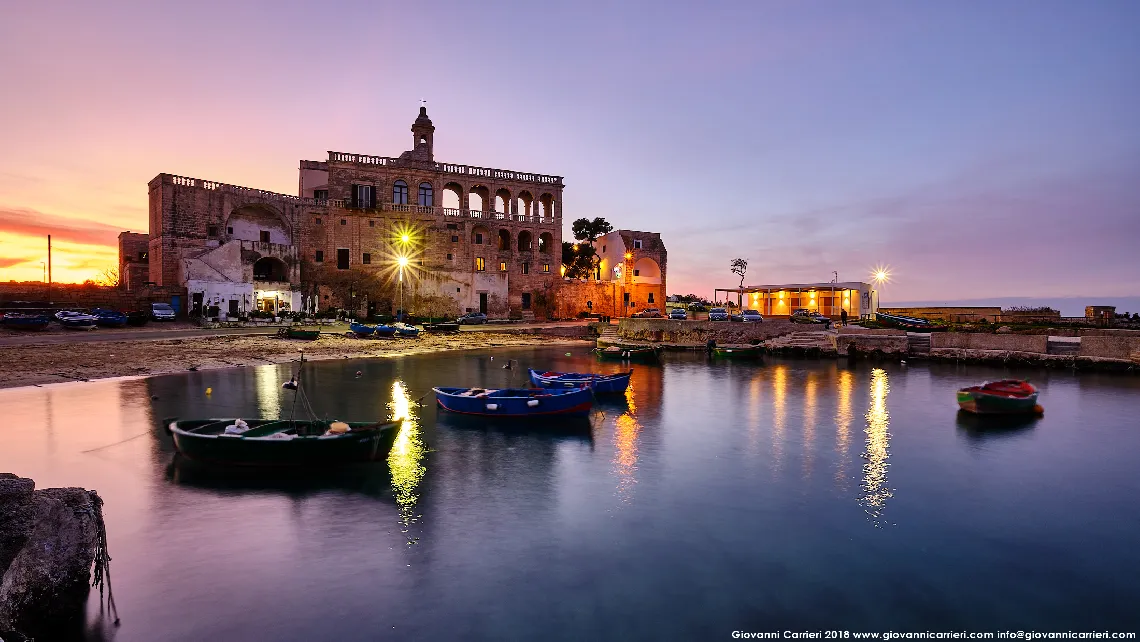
{"x": 305, "y": 335}
{"x": 551, "y": 403}
{"x": 615, "y": 384}
{"x": 986, "y": 404}
{"x": 26, "y": 322}
{"x": 748, "y": 352}
{"x": 627, "y": 353}
{"x": 365, "y": 442}
{"x": 361, "y": 330}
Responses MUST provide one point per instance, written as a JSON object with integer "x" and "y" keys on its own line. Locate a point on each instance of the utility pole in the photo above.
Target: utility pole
{"x": 49, "y": 269}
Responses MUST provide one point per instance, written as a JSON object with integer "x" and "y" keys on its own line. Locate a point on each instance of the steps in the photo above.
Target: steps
{"x": 824, "y": 341}
{"x": 1063, "y": 346}
{"x": 609, "y": 335}
{"x": 918, "y": 343}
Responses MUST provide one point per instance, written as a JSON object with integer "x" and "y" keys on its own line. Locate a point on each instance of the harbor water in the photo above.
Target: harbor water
{"x": 716, "y": 496}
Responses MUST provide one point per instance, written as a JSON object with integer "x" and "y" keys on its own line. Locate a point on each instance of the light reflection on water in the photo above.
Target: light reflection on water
{"x": 843, "y": 418}
{"x": 626, "y": 430}
{"x": 876, "y": 492}
{"x": 406, "y": 457}
{"x": 779, "y": 413}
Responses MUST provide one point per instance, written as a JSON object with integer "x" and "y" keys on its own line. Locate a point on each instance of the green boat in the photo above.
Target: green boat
{"x": 1006, "y": 397}
{"x": 629, "y": 353}
{"x": 272, "y": 442}
{"x": 299, "y": 333}
{"x": 737, "y": 352}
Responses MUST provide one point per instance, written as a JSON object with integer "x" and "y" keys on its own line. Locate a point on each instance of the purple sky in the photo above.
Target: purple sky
{"x": 981, "y": 149}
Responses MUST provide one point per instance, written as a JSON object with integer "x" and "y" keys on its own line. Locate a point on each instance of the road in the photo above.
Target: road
{"x": 151, "y": 333}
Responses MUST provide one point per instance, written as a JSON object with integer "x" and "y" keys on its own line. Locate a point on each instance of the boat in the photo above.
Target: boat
{"x": 283, "y": 442}
{"x": 516, "y": 402}
{"x": 441, "y": 327}
{"x": 737, "y": 352}
{"x": 361, "y": 330}
{"x": 1005, "y": 397}
{"x": 385, "y": 330}
{"x": 906, "y": 323}
{"x": 23, "y": 321}
{"x": 75, "y": 320}
{"x": 137, "y": 318}
{"x": 629, "y": 353}
{"x": 405, "y": 330}
{"x": 601, "y": 383}
{"x": 109, "y": 318}
{"x": 299, "y": 333}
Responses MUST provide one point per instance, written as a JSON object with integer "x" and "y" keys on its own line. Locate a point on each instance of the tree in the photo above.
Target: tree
{"x": 586, "y": 230}
{"x": 739, "y": 267}
{"x": 352, "y": 287}
{"x": 108, "y": 277}
{"x": 579, "y": 260}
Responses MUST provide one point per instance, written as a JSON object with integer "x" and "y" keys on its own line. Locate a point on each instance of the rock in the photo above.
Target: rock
{"x": 1005, "y": 329}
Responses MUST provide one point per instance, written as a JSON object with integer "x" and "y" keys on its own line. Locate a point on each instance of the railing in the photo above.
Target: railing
{"x": 185, "y": 181}
{"x": 450, "y": 168}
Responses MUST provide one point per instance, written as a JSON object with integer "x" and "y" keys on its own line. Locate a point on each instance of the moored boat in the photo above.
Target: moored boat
{"x": 22, "y": 321}
{"x": 299, "y": 333}
{"x": 1005, "y": 397}
{"x": 109, "y": 318}
{"x": 601, "y": 383}
{"x": 385, "y": 330}
{"x": 270, "y": 442}
{"x": 361, "y": 329}
{"x": 405, "y": 330}
{"x": 906, "y": 323}
{"x": 441, "y": 327}
{"x": 516, "y": 402}
{"x": 629, "y": 353}
{"x": 737, "y": 352}
{"x": 75, "y": 320}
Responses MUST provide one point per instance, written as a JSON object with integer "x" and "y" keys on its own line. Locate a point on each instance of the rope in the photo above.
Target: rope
{"x": 102, "y": 573}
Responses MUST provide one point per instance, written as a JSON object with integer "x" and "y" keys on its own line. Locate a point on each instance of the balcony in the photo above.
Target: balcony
{"x": 450, "y": 212}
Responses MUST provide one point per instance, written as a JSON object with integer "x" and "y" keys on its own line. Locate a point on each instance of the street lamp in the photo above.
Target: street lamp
{"x": 402, "y": 262}
{"x": 880, "y": 275}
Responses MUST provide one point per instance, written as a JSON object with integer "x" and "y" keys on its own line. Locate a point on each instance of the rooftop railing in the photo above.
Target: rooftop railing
{"x": 451, "y": 168}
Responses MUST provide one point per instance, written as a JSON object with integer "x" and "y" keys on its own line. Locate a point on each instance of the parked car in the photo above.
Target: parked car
{"x": 648, "y": 313}
{"x": 804, "y": 315}
{"x": 697, "y": 307}
{"x": 718, "y": 314}
{"x": 678, "y": 314}
{"x": 748, "y": 316}
{"x": 472, "y": 318}
{"x": 161, "y": 312}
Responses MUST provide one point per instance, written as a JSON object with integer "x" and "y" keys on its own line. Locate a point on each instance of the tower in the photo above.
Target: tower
{"x": 422, "y": 131}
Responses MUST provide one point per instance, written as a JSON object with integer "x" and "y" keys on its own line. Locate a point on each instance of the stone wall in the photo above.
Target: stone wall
{"x": 948, "y": 313}
{"x": 872, "y": 331}
{"x": 974, "y": 341}
{"x": 699, "y": 332}
{"x": 1111, "y": 347}
{"x": 573, "y": 296}
{"x": 64, "y": 295}
{"x": 870, "y": 343}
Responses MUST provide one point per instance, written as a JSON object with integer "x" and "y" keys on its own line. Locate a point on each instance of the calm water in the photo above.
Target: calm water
{"x": 716, "y": 497}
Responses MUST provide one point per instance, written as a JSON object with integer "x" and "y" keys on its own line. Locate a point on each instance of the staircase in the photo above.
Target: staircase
{"x": 825, "y": 341}
{"x": 609, "y": 335}
{"x": 1069, "y": 346}
{"x": 918, "y": 343}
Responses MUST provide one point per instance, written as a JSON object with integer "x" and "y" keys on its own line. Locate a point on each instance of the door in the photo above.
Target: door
{"x": 176, "y": 303}
{"x": 483, "y": 302}
{"x": 196, "y": 304}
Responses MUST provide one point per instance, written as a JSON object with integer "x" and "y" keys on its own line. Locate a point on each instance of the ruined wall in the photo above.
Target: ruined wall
{"x": 867, "y": 342}
{"x": 948, "y": 313}
{"x": 974, "y": 341}
{"x": 699, "y": 332}
{"x": 1111, "y": 347}
{"x": 65, "y": 295}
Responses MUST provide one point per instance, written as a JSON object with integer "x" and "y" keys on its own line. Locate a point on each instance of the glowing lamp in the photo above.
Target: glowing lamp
{"x": 403, "y": 261}
{"x": 405, "y": 238}
{"x": 629, "y": 255}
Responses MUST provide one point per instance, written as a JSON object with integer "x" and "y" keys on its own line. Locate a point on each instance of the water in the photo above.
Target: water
{"x": 802, "y": 495}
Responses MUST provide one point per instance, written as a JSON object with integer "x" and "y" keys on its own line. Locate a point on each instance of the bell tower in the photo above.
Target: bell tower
{"x": 422, "y": 131}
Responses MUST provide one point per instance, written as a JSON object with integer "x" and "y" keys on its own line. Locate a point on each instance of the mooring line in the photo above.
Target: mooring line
{"x": 117, "y": 442}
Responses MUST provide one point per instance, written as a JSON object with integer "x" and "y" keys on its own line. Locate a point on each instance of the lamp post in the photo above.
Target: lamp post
{"x": 881, "y": 275}
{"x": 403, "y": 262}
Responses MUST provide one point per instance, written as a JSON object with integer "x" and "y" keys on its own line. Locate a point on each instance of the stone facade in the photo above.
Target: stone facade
{"x": 630, "y": 277}
{"x": 134, "y": 266}
{"x": 485, "y": 238}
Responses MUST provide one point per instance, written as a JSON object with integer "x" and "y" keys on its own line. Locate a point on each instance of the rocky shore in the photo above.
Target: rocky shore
{"x": 43, "y": 364}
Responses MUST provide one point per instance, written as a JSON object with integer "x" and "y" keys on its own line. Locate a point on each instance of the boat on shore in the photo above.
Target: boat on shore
{"x": 516, "y": 402}
{"x": 299, "y": 333}
{"x": 282, "y": 442}
{"x": 23, "y": 321}
{"x": 737, "y": 352}
{"x": 601, "y": 384}
{"x": 441, "y": 327}
{"x": 1005, "y": 397}
{"x": 361, "y": 329}
{"x": 109, "y": 318}
{"x": 629, "y": 353}
{"x": 406, "y": 331}
{"x": 906, "y": 323}
{"x": 75, "y": 320}
{"x": 385, "y": 331}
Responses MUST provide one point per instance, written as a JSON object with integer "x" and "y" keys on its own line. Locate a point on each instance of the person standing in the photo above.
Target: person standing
{"x": 842, "y": 317}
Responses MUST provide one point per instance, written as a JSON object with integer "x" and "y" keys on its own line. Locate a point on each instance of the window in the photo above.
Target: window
{"x": 480, "y": 264}
{"x": 229, "y": 230}
{"x": 425, "y": 195}
{"x": 317, "y": 220}
{"x": 452, "y": 226}
{"x": 637, "y": 244}
{"x": 364, "y": 196}
{"x": 320, "y": 257}
{"x": 526, "y": 300}
{"x": 342, "y": 259}
{"x": 264, "y": 236}
{"x": 637, "y": 272}
{"x": 454, "y": 238}
{"x": 651, "y": 297}
{"x": 478, "y": 238}
{"x": 546, "y": 268}
{"x": 400, "y": 193}
{"x": 211, "y": 231}
{"x": 366, "y": 259}
{"x": 371, "y": 223}
{"x": 502, "y": 266}
{"x": 448, "y": 257}
{"x": 603, "y": 248}
{"x": 321, "y": 194}
{"x": 526, "y": 268}
{"x": 344, "y": 221}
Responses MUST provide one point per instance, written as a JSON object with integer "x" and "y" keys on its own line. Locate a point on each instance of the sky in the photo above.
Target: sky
{"x": 979, "y": 149}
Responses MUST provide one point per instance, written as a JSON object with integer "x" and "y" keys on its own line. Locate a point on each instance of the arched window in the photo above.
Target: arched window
{"x": 400, "y": 193}
{"x": 425, "y": 195}
{"x": 524, "y": 241}
{"x": 545, "y": 242}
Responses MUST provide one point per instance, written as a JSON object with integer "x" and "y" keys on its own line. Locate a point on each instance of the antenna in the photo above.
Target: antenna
{"x": 836, "y": 279}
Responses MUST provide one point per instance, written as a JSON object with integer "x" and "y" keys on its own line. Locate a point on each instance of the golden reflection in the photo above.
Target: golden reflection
{"x": 843, "y": 417}
{"x": 406, "y": 457}
{"x": 810, "y": 388}
{"x": 756, "y": 393}
{"x": 267, "y": 386}
{"x": 875, "y": 491}
{"x": 779, "y": 410}
{"x": 626, "y": 430}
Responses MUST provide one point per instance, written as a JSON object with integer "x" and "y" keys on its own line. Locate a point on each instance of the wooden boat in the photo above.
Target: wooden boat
{"x": 385, "y": 330}
{"x": 299, "y": 333}
{"x": 271, "y": 442}
{"x": 22, "y": 321}
{"x": 75, "y": 320}
{"x": 407, "y": 331}
{"x": 516, "y": 402}
{"x": 906, "y": 323}
{"x": 1005, "y": 397}
{"x": 602, "y": 384}
{"x": 629, "y": 353}
{"x": 361, "y": 330}
{"x": 737, "y": 352}
{"x": 109, "y": 318}
{"x": 441, "y": 327}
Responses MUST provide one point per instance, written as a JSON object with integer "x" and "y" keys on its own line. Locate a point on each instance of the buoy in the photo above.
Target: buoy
{"x": 568, "y": 354}
{"x": 209, "y": 391}
{"x": 1039, "y": 409}
{"x": 359, "y": 374}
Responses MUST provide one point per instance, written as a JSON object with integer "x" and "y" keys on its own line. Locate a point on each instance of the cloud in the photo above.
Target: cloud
{"x": 7, "y": 263}
{"x": 25, "y": 222}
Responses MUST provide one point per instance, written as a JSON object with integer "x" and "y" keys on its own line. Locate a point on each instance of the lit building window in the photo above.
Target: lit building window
{"x": 546, "y": 267}
{"x": 526, "y": 268}
{"x": 480, "y": 264}
{"x": 502, "y": 266}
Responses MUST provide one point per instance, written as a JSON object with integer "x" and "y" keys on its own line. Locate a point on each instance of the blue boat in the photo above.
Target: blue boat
{"x": 404, "y": 330}
{"x": 385, "y": 330}
{"x": 602, "y": 384}
{"x": 516, "y": 402}
{"x": 109, "y": 318}
{"x": 21, "y": 321}
{"x": 361, "y": 330}
{"x": 75, "y": 320}
{"x": 906, "y": 323}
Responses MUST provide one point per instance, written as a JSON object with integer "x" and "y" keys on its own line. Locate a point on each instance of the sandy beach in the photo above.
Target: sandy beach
{"x": 29, "y": 365}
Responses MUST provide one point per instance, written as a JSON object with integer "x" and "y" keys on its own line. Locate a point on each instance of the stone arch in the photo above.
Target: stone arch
{"x": 646, "y": 270}
{"x": 546, "y": 205}
{"x": 480, "y": 235}
{"x": 524, "y": 204}
{"x": 269, "y": 268}
{"x": 248, "y": 223}
{"x": 525, "y": 241}
{"x": 483, "y": 194}
{"x": 504, "y": 240}
{"x": 545, "y": 242}
{"x": 452, "y": 197}
{"x": 503, "y": 200}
